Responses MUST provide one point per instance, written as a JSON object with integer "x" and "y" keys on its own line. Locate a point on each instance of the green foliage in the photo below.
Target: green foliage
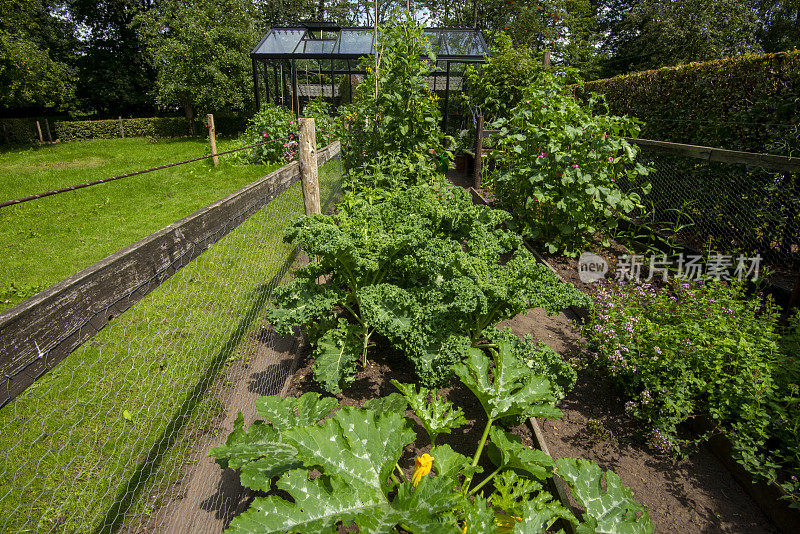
{"x": 504, "y": 387}
{"x": 701, "y": 103}
{"x": 398, "y": 124}
{"x": 437, "y": 416}
{"x": 154, "y": 127}
{"x": 539, "y": 358}
{"x": 355, "y": 453}
{"x": 320, "y": 111}
{"x": 561, "y": 166}
{"x": 200, "y": 63}
{"x": 37, "y": 54}
{"x": 498, "y": 86}
{"x": 704, "y": 349}
{"x": 645, "y": 34}
{"x": 607, "y": 510}
{"x": 271, "y": 123}
{"x": 422, "y": 268}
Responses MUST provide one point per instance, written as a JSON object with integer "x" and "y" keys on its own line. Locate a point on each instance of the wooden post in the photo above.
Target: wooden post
{"x": 39, "y": 129}
{"x": 47, "y": 126}
{"x": 212, "y": 136}
{"x": 121, "y": 129}
{"x": 5, "y": 134}
{"x": 546, "y": 58}
{"x": 308, "y": 166}
{"x": 478, "y": 152}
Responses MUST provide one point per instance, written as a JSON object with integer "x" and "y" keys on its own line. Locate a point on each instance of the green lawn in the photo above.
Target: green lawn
{"x": 94, "y": 444}
{"x": 46, "y": 240}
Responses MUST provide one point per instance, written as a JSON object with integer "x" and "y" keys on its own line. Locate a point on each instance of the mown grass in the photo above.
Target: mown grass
{"x": 46, "y": 240}
{"x": 94, "y": 444}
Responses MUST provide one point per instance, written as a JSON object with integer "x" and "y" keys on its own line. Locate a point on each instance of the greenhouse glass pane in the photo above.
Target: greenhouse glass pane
{"x": 462, "y": 43}
{"x": 354, "y": 42}
{"x": 435, "y": 39}
{"x": 316, "y": 46}
{"x": 281, "y": 41}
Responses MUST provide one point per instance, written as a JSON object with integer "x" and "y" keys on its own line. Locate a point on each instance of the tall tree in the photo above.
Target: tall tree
{"x": 115, "y": 77}
{"x": 199, "y": 49}
{"x": 37, "y": 53}
{"x": 644, "y": 34}
{"x": 779, "y": 24}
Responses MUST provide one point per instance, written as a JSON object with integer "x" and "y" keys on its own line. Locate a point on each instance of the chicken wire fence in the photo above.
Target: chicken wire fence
{"x": 728, "y": 210}
{"x": 102, "y": 442}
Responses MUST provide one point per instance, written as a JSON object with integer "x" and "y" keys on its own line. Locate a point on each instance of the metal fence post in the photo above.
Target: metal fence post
{"x": 308, "y": 166}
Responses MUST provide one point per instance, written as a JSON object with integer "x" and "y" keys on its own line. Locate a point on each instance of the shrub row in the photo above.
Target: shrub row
{"x": 743, "y": 103}
{"x": 24, "y": 130}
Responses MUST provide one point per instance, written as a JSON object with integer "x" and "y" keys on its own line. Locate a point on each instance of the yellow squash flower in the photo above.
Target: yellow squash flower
{"x": 422, "y": 466}
{"x": 505, "y": 523}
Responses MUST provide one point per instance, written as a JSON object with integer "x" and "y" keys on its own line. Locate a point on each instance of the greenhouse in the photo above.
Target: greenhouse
{"x": 296, "y": 63}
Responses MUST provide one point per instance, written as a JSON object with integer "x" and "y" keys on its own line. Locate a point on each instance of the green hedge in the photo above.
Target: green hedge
{"x": 745, "y": 103}
{"x": 24, "y": 130}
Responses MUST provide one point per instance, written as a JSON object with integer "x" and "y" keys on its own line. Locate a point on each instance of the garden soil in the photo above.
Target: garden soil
{"x": 691, "y": 495}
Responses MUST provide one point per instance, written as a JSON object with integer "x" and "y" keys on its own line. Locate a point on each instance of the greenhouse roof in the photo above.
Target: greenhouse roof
{"x": 329, "y": 41}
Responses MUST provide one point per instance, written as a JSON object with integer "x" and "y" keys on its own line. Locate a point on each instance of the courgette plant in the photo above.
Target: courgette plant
{"x": 342, "y": 469}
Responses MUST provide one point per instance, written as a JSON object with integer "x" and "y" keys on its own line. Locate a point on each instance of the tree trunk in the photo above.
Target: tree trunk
{"x": 189, "y": 111}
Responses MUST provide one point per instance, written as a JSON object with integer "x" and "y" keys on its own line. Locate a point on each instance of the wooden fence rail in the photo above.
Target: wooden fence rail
{"x": 767, "y": 161}
{"x": 38, "y": 333}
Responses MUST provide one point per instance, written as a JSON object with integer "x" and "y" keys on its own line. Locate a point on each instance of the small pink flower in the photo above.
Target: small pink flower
{"x": 575, "y": 165}
{"x": 610, "y": 159}
{"x": 291, "y": 122}
{"x": 542, "y": 155}
{"x": 584, "y": 131}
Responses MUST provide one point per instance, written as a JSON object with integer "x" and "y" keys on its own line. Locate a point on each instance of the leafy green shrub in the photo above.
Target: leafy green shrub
{"x": 421, "y": 268}
{"x": 401, "y": 123}
{"x": 356, "y": 453}
{"x": 698, "y": 350}
{"x": 702, "y": 103}
{"x": 109, "y": 129}
{"x": 498, "y": 86}
{"x": 560, "y": 166}
{"x": 324, "y": 125}
{"x": 272, "y": 123}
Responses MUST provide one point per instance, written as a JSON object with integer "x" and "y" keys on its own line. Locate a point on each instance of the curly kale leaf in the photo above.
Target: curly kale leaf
{"x": 609, "y": 511}
{"x": 507, "y": 388}
{"x": 303, "y": 301}
{"x": 437, "y": 416}
{"x": 336, "y": 355}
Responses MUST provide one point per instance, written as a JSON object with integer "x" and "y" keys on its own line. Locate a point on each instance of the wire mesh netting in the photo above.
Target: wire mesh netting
{"x": 725, "y": 208}
{"x": 101, "y": 443}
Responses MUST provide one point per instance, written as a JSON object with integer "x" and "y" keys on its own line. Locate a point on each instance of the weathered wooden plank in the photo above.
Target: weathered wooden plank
{"x": 38, "y": 333}
{"x": 766, "y": 161}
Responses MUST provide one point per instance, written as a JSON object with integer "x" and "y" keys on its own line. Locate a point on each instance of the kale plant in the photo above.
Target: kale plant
{"x": 422, "y": 269}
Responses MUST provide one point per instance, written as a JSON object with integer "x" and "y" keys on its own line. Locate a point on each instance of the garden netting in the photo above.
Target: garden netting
{"x": 112, "y": 438}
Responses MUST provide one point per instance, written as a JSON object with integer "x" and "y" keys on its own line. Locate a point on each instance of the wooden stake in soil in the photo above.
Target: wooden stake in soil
{"x": 39, "y": 129}
{"x": 212, "y": 136}
{"x": 47, "y": 126}
{"x": 308, "y": 166}
{"x": 121, "y": 129}
{"x": 478, "y": 152}
{"x": 546, "y": 58}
